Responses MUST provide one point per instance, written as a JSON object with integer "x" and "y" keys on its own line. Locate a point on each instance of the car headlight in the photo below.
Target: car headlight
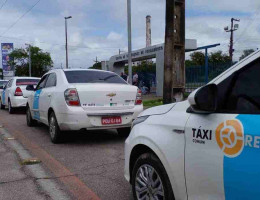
{"x": 139, "y": 120}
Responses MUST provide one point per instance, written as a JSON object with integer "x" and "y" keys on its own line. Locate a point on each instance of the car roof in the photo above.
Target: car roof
{"x": 78, "y": 69}
{"x": 19, "y": 77}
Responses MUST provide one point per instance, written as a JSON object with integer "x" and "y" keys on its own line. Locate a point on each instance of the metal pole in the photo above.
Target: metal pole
{"x": 129, "y": 41}
{"x": 66, "y": 35}
{"x": 206, "y": 66}
{"x": 30, "y": 61}
{"x": 231, "y": 40}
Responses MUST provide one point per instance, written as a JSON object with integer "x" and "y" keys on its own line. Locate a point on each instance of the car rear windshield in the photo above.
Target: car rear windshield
{"x": 93, "y": 77}
{"x": 27, "y": 82}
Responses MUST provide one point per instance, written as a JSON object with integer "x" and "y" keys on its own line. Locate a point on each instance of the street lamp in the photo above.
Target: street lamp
{"x": 129, "y": 28}
{"x": 66, "y": 35}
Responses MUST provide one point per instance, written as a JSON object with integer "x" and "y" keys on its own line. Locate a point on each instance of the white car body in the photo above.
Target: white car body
{"x": 206, "y": 156}
{"x": 97, "y": 101}
{"x": 9, "y": 92}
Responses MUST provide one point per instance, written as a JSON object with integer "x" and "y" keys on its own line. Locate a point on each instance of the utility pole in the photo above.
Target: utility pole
{"x": 96, "y": 61}
{"x": 66, "y": 46}
{"x": 174, "y": 56}
{"x": 30, "y": 60}
{"x": 129, "y": 28}
{"x": 233, "y": 28}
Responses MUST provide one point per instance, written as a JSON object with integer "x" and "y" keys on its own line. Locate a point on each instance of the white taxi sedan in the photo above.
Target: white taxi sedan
{"x": 76, "y": 99}
{"x": 14, "y": 94}
{"x": 205, "y": 148}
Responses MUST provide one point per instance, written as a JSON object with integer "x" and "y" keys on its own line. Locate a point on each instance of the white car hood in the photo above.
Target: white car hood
{"x": 158, "y": 110}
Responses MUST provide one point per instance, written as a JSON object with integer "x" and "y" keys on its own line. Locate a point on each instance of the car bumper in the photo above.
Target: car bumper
{"x": 18, "y": 102}
{"x": 78, "y": 118}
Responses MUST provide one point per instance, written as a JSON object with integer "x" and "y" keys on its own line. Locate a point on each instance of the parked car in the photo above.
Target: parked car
{"x": 207, "y": 147}
{"x": 2, "y": 85}
{"x": 75, "y": 99}
{"x": 14, "y": 94}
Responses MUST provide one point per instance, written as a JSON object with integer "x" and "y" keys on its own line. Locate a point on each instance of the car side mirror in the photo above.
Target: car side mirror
{"x": 204, "y": 100}
{"x": 1, "y": 87}
{"x": 30, "y": 87}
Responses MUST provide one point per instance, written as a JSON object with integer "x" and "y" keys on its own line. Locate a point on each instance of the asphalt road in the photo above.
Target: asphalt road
{"x": 95, "y": 157}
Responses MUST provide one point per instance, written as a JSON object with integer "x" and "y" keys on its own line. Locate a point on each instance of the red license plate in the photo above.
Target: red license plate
{"x": 111, "y": 120}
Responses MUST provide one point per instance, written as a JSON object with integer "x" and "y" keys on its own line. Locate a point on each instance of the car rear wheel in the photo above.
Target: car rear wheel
{"x": 10, "y": 108}
{"x": 30, "y": 121}
{"x": 54, "y": 129}
{"x": 150, "y": 180}
{"x": 124, "y": 131}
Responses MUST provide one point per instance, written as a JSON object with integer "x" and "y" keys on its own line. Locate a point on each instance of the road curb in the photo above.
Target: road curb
{"x": 49, "y": 187}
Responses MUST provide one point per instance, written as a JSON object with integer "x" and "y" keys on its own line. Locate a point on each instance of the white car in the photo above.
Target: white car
{"x": 14, "y": 94}
{"x": 76, "y": 99}
{"x": 205, "y": 148}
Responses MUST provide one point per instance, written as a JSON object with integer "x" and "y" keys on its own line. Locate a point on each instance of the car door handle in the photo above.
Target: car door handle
{"x": 49, "y": 95}
{"x": 178, "y": 131}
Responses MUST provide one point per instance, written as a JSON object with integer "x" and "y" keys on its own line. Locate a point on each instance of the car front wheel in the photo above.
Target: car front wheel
{"x": 54, "y": 129}
{"x": 29, "y": 120}
{"x": 150, "y": 180}
{"x": 10, "y": 108}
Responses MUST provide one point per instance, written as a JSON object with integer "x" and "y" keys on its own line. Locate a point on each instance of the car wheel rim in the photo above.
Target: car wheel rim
{"x": 148, "y": 184}
{"x": 52, "y": 127}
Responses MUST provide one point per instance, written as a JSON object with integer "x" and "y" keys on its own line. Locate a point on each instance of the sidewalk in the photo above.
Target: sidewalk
{"x": 23, "y": 182}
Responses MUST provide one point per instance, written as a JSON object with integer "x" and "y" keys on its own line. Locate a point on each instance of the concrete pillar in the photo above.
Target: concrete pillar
{"x": 148, "y": 31}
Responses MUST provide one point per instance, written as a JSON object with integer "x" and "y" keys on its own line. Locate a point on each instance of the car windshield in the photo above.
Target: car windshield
{"x": 93, "y": 77}
{"x": 2, "y": 83}
{"x": 27, "y": 81}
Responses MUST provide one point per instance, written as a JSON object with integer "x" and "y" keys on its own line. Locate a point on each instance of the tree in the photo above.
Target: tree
{"x": 198, "y": 58}
{"x": 41, "y": 61}
{"x": 96, "y": 66}
{"x": 246, "y": 53}
{"x": 219, "y": 57}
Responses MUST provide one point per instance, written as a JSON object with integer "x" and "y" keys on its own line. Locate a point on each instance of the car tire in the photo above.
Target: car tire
{"x": 157, "y": 183}
{"x": 54, "y": 129}
{"x": 2, "y": 105}
{"x": 10, "y": 108}
{"x": 124, "y": 131}
{"x": 29, "y": 120}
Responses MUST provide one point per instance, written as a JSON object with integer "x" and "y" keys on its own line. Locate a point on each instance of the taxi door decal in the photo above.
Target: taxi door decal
{"x": 241, "y": 164}
{"x": 3, "y": 99}
{"x": 36, "y": 99}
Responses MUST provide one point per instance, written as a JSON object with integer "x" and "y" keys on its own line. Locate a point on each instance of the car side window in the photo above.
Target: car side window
{"x": 240, "y": 92}
{"x": 42, "y": 83}
{"x": 51, "y": 81}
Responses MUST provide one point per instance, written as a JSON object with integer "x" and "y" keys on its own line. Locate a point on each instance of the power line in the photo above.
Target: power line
{"x": 3, "y": 4}
{"x": 12, "y": 25}
{"x": 257, "y": 12}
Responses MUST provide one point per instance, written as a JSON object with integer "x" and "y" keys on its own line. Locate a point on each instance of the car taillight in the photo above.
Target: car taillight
{"x": 72, "y": 97}
{"x": 138, "y": 100}
{"x": 18, "y": 92}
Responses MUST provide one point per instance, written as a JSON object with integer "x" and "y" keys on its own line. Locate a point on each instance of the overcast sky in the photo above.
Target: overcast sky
{"x": 98, "y": 27}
